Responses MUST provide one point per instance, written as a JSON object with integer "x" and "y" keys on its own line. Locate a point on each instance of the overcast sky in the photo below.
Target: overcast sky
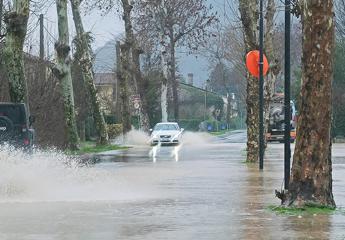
{"x": 103, "y": 28}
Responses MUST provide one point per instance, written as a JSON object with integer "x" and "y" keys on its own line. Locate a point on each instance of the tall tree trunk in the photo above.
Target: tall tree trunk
{"x": 122, "y": 58}
{"x": 164, "y": 90}
{"x": 62, "y": 71}
{"x": 275, "y": 64}
{"x": 311, "y": 177}
{"x": 173, "y": 79}
{"x": 249, "y": 18}
{"x": 142, "y": 87}
{"x": 135, "y": 73}
{"x": 1, "y": 15}
{"x": 228, "y": 109}
{"x": 85, "y": 63}
{"x": 16, "y": 24}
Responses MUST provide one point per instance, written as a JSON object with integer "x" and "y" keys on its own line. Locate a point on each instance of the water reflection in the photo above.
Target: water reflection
{"x": 159, "y": 151}
{"x": 253, "y": 201}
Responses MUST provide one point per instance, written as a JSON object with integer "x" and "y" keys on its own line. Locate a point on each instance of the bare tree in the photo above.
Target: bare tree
{"x": 272, "y": 54}
{"x": 85, "y": 62}
{"x": 131, "y": 51}
{"x": 16, "y": 26}
{"x": 62, "y": 71}
{"x": 175, "y": 23}
{"x": 249, "y": 19}
{"x": 311, "y": 177}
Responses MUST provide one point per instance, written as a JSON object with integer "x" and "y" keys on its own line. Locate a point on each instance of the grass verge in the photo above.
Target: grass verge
{"x": 307, "y": 210}
{"x": 92, "y": 147}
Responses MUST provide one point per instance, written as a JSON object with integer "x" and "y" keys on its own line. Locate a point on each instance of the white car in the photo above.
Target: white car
{"x": 167, "y": 133}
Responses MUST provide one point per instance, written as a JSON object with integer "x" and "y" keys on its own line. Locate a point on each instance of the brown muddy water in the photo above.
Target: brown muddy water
{"x": 200, "y": 190}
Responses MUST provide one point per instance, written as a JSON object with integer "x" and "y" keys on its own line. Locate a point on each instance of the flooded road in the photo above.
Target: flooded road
{"x": 200, "y": 190}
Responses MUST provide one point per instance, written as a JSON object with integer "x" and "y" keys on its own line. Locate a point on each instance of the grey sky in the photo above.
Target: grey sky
{"x": 104, "y": 28}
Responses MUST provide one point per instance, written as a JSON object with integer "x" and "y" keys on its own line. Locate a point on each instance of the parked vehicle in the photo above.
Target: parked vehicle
{"x": 168, "y": 133}
{"x": 276, "y": 126}
{"x": 16, "y": 125}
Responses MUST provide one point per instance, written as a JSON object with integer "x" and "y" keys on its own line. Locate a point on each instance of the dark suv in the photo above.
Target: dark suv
{"x": 15, "y": 125}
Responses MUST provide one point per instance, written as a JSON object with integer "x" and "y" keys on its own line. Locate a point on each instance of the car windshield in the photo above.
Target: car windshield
{"x": 165, "y": 127}
{"x": 13, "y": 112}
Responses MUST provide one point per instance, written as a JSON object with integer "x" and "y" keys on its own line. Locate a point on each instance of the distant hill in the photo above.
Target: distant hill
{"x": 105, "y": 58}
{"x": 198, "y": 65}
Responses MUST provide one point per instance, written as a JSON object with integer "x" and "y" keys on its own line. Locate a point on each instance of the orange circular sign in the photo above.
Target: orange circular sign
{"x": 252, "y": 62}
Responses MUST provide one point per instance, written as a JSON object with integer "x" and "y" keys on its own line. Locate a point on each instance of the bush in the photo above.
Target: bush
{"x": 111, "y": 119}
{"x": 114, "y": 130}
{"x": 190, "y": 124}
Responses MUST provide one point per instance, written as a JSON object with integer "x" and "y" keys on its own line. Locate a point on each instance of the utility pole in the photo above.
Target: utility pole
{"x": 41, "y": 37}
{"x": 261, "y": 89}
{"x": 287, "y": 117}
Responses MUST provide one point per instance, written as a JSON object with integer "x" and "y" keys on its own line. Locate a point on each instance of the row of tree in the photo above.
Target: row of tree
{"x": 156, "y": 28}
{"x": 311, "y": 177}
{"x": 16, "y": 21}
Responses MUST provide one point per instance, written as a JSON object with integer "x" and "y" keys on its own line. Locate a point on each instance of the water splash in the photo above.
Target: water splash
{"x": 50, "y": 175}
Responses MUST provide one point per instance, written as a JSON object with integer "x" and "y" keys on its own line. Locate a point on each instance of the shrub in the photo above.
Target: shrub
{"x": 114, "y": 130}
{"x": 190, "y": 124}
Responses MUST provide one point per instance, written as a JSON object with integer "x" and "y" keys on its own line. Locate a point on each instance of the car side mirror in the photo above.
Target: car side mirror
{"x": 151, "y": 129}
{"x": 32, "y": 120}
{"x": 182, "y": 129}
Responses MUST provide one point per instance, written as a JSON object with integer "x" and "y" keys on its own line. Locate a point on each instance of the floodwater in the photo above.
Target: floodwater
{"x": 199, "y": 190}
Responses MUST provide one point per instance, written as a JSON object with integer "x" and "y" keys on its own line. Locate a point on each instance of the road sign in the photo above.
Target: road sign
{"x": 136, "y": 105}
{"x": 252, "y": 63}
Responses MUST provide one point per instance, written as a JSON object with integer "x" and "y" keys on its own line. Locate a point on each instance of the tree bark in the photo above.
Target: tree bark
{"x": 164, "y": 88}
{"x": 173, "y": 79}
{"x": 135, "y": 72}
{"x": 16, "y": 24}
{"x": 249, "y": 19}
{"x": 62, "y": 71}
{"x": 274, "y": 60}
{"x": 85, "y": 63}
{"x": 142, "y": 88}
{"x": 122, "y": 56}
{"x": 311, "y": 177}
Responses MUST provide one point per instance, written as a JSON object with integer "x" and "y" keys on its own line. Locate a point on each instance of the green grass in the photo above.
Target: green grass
{"x": 92, "y": 147}
{"x": 307, "y": 210}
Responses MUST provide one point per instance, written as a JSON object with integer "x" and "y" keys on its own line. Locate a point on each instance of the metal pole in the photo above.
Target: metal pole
{"x": 287, "y": 147}
{"x": 261, "y": 88}
{"x": 41, "y": 37}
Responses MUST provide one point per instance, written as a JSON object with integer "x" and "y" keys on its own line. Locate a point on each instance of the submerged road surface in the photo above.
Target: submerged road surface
{"x": 200, "y": 190}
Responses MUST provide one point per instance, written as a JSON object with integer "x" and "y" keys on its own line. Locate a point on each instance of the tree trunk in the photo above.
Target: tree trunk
{"x": 311, "y": 177}
{"x": 62, "y": 71}
{"x": 275, "y": 65}
{"x": 138, "y": 80}
{"x": 16, "y": 24}
{"x": 249, "y": 19}
{"x": 1, "y": 15}
{"x": 85, "y": 63}
{"x": 122, "y": 57}
{"x": 142, "y": 87}
{"x": 164, "y": 91}
{"x": 173, "y": 79}
{"x": 228, "y": 110}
